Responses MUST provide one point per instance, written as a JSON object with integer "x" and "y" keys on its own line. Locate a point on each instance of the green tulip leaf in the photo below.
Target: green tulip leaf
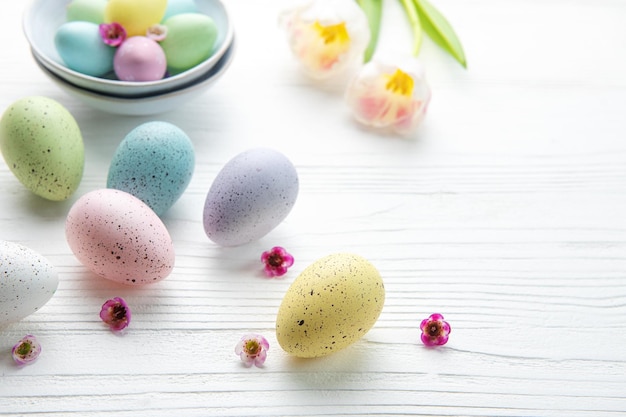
{"x": 374, "y": 11}
{"x": 411, "y": 11}
{"x": 440, "y": 30}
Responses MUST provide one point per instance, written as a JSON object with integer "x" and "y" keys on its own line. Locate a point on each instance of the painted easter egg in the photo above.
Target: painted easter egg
{"x": 119, "y": 237}
{"x": 86, "y": 11}
{"x": 251, "y": 195}
{"x": 175, "y": 7}
{"x": 329, "y": 306}
{"x": 81, "y": 48}
{"x": 154, "y": 162}
{"x": 190, "y": 40}
{"x": 135, "y": 15}
{"x": 27, "y": 282}
{"x": 43, "y": 146}
{"x": 139, "y": 59}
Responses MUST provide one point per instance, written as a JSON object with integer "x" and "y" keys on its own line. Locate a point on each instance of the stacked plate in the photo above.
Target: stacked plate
{"x": 43, "y": 17}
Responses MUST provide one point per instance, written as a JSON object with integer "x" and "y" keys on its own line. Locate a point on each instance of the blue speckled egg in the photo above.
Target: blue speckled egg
{"x": 252, "y": 194}
{"x": 27, "y": 281}
{"x": 81, "y": 48}
{"x": 154, "y": 162}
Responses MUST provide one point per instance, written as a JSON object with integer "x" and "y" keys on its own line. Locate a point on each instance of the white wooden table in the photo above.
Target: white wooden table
{"x": 506, "y": 213}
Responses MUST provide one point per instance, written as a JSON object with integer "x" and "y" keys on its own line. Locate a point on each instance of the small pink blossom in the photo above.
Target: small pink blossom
{"x": 276, "y": 261}
{"x": 252, "y": 349}
{"x": 116, "y": 314}
{"x": 26, "y": 351}
{"x": 157, "y": 32}
{"x": 113, "y": 34}
{"x": 435, "y": 330}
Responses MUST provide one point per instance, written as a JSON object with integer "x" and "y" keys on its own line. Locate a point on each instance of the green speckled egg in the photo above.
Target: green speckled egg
{"x": 42, "y": 145}
{"x": 329, "y": 306}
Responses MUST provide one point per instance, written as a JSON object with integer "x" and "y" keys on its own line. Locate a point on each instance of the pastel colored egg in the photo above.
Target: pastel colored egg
{"x": 175, "y": 7}
{"x": 81, "y": 48}
{"x": 139, "y": 59}
{"x": 154, "y": 162}
{"x": 119, "y": 237}
{"x": 251, "y": 195}
{"x": 190, "y": 40}
{"x": 135, "y": 15}
{"x": 329, "y": 306}
{"x": 27, "y": 282}
{"x": 86, "y": 11}
{"x": 43, "y": 147}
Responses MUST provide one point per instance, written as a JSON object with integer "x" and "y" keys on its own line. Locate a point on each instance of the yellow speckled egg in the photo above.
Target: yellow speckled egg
{"x": 329, "y": 306}
{"x": 135, "y": 15}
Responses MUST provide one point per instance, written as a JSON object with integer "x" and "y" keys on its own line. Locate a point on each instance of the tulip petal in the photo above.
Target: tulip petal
{"x": 389, "y": 95}
{"x": 326, "y": 36}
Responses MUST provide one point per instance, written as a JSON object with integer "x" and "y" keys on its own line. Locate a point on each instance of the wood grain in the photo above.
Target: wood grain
{"x": 505, "y": 213}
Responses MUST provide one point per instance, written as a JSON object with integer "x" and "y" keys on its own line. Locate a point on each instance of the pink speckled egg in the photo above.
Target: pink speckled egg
{"x": 139, "y": 59}
{"x": 119, "y": 237}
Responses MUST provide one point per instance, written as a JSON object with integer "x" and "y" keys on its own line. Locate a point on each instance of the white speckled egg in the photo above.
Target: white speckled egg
{"x": 27, "y": 282}
{"x": 252, "y": 194}
{"x": 329, "y": 306}
{"x": 119, "y": 237}
{"x": 154, "y": 162}
{"x": 43, "y": 146}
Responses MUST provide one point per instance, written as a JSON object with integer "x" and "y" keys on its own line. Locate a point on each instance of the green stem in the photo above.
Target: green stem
{"x": 440, "y": 30}
{"x": 373, "y": 10}
{"x": 411, "y": 11}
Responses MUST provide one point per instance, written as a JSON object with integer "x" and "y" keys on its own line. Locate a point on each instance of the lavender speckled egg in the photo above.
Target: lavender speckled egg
{"x": 154, "y": 162}
{"x": 119, "y": 237}
{"x": 27, "y": 282}
{"x": 252, "y": 194}
{"x": 139, "y": 59}
{"x": 329, "y": 306}
{"x": 43, "y": 147}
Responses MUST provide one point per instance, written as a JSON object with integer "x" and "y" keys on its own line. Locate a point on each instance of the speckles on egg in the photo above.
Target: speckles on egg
{"x": 43, "y": 147}
{"x": 155, "y": 163}
{"x": 119, "y": 237}
{"x": 329, "y": 306}
{"x": 27, "y": 282}
{"x": 252, "y": 194}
